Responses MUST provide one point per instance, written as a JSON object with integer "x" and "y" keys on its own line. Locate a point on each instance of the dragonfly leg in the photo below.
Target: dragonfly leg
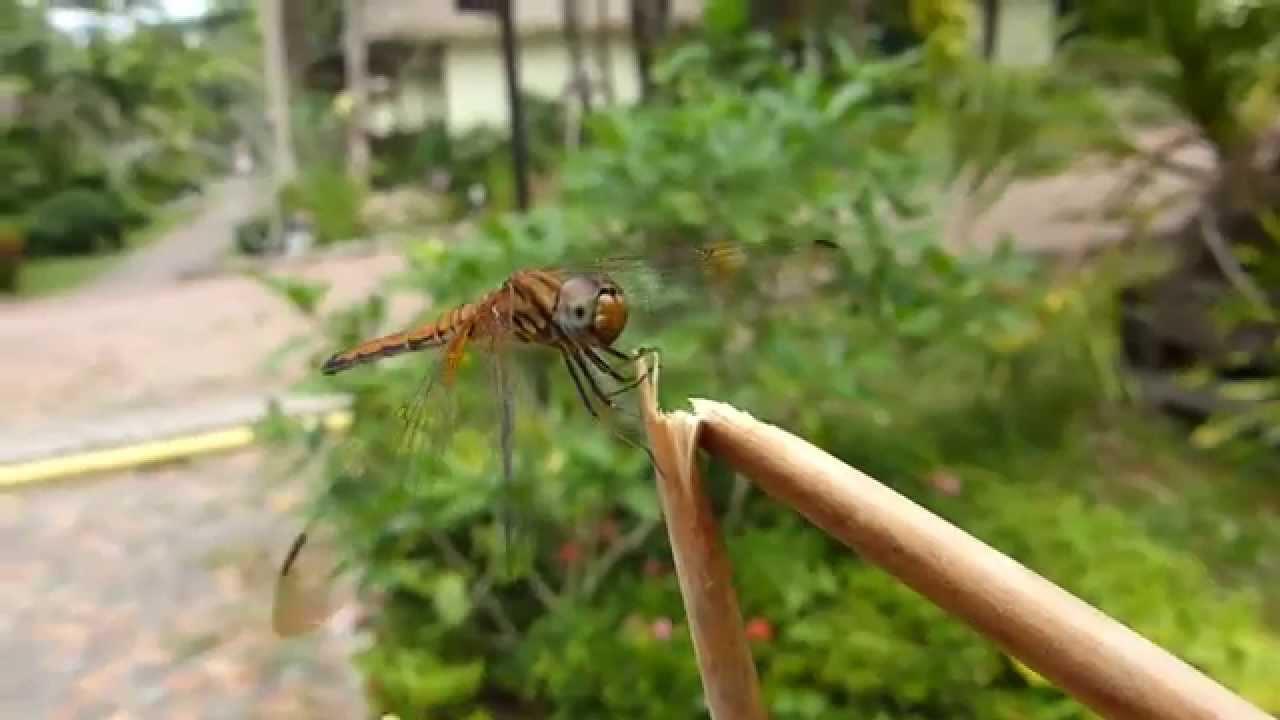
{"x": 628, "y": 383}
{"x": 640, "y": 352}
{"x": 618, "y": 353}
{"x": 605, "y": 367}
{"x": 591, "y": 380}
{"x": 577, "y": 383}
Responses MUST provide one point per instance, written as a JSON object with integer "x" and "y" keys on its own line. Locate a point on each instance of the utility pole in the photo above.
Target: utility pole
{"x": 356, "y": 57}
{"x": 990, "y": 27}
{"x": 579, "y": 83}
{"x": 519, "y": 144}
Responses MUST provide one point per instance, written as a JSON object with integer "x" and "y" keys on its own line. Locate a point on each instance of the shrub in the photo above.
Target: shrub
{"x": 330, "y": 198}
{"x": 408, "y": 158}
{"x": 253, "y": 236}
{"x": 77, "y": 221}
{"x": 851, "y": 326}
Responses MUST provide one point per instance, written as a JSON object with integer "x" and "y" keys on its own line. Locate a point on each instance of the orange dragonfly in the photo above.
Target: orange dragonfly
{"x": 578, "y": 313}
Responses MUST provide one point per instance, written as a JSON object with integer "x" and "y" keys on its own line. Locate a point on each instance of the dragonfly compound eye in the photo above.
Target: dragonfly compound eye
{"x": 576, "y": 308}
{"x": 611, "y": 315}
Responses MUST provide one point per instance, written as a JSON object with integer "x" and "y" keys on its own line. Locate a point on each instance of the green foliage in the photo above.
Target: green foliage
{"x": 330, "y": 199}
{"x": 77, "y": 221}
{"x": 480, "y": 156}
{"x": 408, "y": 158}
{"x": 1006, "y": 122}
{"x": 959, "y": 380}
{"x": 946, "y": 26}
{"x": 1214, "y": 61}
{"x": 143, "y": 116}
{"x": 1215, "y": 66}
{"x": 253, "y": 236}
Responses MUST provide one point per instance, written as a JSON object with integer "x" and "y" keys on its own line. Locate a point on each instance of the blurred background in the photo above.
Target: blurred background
{"x": 1018, "y": 259}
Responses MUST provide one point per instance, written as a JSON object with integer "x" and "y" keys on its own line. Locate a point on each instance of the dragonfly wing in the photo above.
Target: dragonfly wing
{"x": 430, "y": 416}
{"x": 306, "y": 594}
{"x": 670, "y": 277}
{"x": 504, "y": 382}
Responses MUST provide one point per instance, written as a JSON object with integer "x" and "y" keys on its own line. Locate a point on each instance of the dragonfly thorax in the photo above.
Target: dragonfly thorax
{"x": 591, "y": 306}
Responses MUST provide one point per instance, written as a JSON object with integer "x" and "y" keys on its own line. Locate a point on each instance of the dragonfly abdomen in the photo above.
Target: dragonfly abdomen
{"x": 458, "y": 320}
{"x": 383, "y": 347}
{"x": 523, "y": 308}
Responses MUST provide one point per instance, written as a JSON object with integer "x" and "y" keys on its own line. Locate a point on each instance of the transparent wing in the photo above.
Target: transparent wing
{"x": 306, "y": 593}
{"x": 463, "y": 422}
{"x": 498, "y": 341}
{"x": 429, "y": 418}
{"x": 670, "y": 275}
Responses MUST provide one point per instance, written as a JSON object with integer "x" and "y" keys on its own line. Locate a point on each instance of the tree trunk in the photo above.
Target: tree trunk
{"x": 276, "y": 76}
{"x": 641, "y": 42}
{"x": 275, "y": 70}
{"x": 578, "y": 80}
{"x": 519, "y": 139}
{"x": 990, "y": 27}
{"x": 356, "y": 60}
{"x": 649, "y": 20}
{"x": 604, "y": 56}
{"x": 860, "y": 10}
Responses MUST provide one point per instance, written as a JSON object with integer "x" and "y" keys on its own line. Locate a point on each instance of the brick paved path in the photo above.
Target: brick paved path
{"x": 147, "y": 595}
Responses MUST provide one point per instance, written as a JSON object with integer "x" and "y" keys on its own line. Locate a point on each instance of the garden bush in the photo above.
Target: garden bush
{"x": 947, "y": 377}
{"x": 78, "y": 221}
{"x": 253, "y": 236}
{"x": 330, "y": 199}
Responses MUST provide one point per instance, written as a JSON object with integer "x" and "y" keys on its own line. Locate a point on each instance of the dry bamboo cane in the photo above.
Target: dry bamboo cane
{"x": 1096, "y": 659}
{"x": 702, "y": 566}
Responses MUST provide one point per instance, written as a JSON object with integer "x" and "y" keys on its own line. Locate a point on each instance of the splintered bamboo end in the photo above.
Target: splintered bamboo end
{"x": 702, "y": 565}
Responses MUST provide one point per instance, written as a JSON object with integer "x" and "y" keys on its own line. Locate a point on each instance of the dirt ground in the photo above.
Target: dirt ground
{"x": 83, "y": 355}
{"x": 147, "y": 594}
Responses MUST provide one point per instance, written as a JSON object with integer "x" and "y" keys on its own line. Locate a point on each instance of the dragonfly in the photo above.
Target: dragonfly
{"x": 577, "y": 312}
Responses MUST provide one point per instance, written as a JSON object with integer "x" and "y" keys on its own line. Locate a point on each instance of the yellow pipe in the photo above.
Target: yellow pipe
{"x": 145, "y": 453}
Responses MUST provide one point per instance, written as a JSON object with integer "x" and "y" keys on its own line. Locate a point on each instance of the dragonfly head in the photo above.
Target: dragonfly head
{"x": 592, "y": 305}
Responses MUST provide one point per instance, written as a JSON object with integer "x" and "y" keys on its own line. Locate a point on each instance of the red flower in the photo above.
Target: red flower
{"x": 569, "y": 554}
{"x": 759, "y": 630}
{"x": 946, "y": 482}
{"x": 661, "y": 628}
{"x": 607, "y": 531}
{"x": 655, "y": 568}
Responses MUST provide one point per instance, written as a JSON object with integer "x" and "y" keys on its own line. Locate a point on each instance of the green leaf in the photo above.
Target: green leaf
{"x": 304, "y": 296}
{"x": 450, "y": 598}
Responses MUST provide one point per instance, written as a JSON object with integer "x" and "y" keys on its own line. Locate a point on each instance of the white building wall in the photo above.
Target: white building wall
{"x": 475, "y": 81}
{"x": 1026, "y": 32}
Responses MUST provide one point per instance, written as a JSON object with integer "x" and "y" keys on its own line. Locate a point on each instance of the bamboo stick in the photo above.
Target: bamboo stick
{"x": 702, "y": 566}
{"x": 1099, "y": 661}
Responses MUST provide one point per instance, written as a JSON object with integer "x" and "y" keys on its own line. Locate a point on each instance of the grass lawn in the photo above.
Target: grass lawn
{"x": 46, "y": 276}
